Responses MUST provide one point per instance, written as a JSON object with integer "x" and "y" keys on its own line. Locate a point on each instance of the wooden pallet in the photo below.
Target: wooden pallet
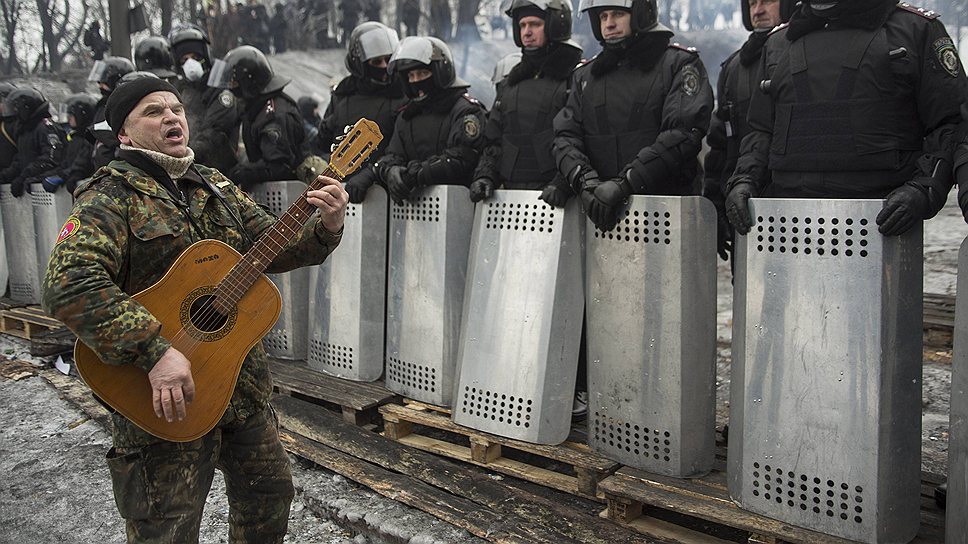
{"x": 358, "y": 401}
{"x": 27, "y": 322}
{"x": 402, "y": 423}
{"x": 632, "y": 493}
{"x": 55, "y": 342}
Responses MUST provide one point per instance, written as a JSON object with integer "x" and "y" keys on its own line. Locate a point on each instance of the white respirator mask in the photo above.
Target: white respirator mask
{"x": 193, "y": 70}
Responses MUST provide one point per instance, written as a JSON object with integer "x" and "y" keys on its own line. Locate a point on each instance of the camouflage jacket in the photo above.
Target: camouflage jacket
{"x": 123, "y": 234}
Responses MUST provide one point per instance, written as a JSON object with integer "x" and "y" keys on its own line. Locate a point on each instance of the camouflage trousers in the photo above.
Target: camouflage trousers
{"x": 160, "y": 489}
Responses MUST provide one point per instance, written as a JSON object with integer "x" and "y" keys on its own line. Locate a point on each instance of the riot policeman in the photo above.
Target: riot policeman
{"x": 153, "y": 54}
{"x": 635, "y": 116}
{"x": 738, "y": 76}
{"x": 859, "y": 99}
{"x": 106, "y": 73}
{"x": 272, "y": 129}
{"x": 40, "y": 144}
{"x": 213, "y": 114}
{"x": 368, "y": 92}
{"x": 519, "y": 130}
{"x": 8, "y": 146}
{"x": 76, "y": 164}
{"x": 437, "y": 137}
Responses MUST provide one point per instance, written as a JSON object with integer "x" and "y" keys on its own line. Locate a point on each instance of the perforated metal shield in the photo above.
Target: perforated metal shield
{"x": 521, "y": 328}
{"x": 289, "y": 337}
{"x": 348, "y": 309}
{"x": 651, "y": 333}
{"x": 825, "y": 393}
{"x": 18, "y": 227}
{"x": 50, "y": 211}
{"x": 4, "y": 269}
{"x": 429, "y": 243}
{"x": 956, "y": 523}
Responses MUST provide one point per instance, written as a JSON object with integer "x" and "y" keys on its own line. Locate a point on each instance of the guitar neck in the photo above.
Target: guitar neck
{"x": 255, "y": 261}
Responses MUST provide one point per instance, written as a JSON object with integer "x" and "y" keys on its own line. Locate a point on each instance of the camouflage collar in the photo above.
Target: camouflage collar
{"x": 137, "y": 177}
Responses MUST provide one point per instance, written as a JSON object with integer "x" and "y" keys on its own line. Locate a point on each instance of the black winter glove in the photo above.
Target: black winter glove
{"x": 724, "y": 235}
{"x": 607, "y": 202}
{"x": 585, "y": 183}
{"x": 738, "y": 205}
{"x": 481, "y": 188}
{"x": 903, "y": 208}
{"x": 399, "y": 183}
{"x": 359, "y": 184}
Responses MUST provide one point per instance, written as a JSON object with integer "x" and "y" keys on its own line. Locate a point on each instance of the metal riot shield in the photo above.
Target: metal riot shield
{"x": 956, "y": 523}
{"x": 348, "y": 308}
{"x": 50, "y": 212}
{"x": 825, "y": 394}
{"x": 18, "y": 227}
{"x": 521, "y": 328}
{"x": 4, "y": 269}
{"x": 651, "y": 333}
{"x": 429, "y": 243}
{"x": 289, "y": 337}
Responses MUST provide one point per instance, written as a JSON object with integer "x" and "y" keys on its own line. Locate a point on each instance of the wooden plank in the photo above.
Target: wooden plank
{"x": 295, "y": 376}
{"x": 568, "y": 523}
{"x": 669, "y": 533}
{"x": 531, "y": 473}
{"x": 463, "y": 513}
{"x": 564, "y": 454}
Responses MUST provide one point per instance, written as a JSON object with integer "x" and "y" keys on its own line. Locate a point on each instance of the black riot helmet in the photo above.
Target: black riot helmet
{"x": 153, "y": 54}
{"x": 368, "y": 41}
{"x": 82, "y": 107}
{"x": 645, "y": 14}
{"x": 110, "y": 70}
{"x": 187, "y": 39}
{"x": 425, "y": 52}
{"x": 246, "y": 72}
{"x": 787, "y": 8}
{"x": 556, "y": 13}
{"x": 5, "y": 89}
{"x": 25, "y": 104}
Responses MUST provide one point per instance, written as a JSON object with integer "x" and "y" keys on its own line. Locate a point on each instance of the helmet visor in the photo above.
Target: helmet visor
{"x": 97, "y": 71}
{"x": 414, "y": 48}
{"x": 586, "y": 5}
{"x": 378, "y": 43}
{"x": 220, "y": 76}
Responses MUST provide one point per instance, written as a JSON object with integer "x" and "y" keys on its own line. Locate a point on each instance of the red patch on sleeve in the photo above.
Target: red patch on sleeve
{"x": 69, "y": 229}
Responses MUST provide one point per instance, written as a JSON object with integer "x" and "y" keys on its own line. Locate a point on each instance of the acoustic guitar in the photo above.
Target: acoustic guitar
{"x": 214, "y": 306}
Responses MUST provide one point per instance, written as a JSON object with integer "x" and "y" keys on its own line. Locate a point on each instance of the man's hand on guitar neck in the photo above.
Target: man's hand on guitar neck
{"x": 172, "y": 386}
{"x": 331, "y": 201}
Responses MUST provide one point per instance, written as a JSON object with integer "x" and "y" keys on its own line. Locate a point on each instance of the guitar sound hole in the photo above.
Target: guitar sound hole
{"x": 204, "y": 317}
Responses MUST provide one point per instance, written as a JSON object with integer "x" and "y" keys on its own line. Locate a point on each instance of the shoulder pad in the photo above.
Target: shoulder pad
{"x": 729, "y": 58}
{"x": 472, "y": 100}
{"x": 926, "y": 13}
{"x": 778, "y": 28}
{"x": 692, "y": 50}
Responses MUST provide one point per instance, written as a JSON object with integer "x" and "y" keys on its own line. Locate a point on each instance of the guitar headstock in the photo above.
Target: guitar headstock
{"x": 357, "y": 143}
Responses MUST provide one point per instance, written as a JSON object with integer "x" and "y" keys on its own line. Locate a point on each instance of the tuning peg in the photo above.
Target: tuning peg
{"x": 332, "y": 148}
{"x": 347, "y": 129}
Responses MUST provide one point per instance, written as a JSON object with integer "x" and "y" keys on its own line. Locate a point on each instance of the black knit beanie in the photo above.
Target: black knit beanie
{"x": 127, "y": 95}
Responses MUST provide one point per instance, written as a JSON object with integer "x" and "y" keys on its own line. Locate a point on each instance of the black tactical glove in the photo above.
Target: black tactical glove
{"x": 481, "y": 188}
{"x": 584, "y": 184}
{"x": 738, "y": 204}
{"x": 247, "y": 176}
{"x": 359, "y": 184}
{"x": 557, "y": 194}
{"x": 903, "y": 208}
{"x": 399, "y": 183}
{"x": 18, "y": 186}
{"x": 607, "y": 202}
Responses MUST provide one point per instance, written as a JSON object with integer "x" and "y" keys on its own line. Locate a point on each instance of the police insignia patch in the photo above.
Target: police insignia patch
{"x": 690, "y": 80}
{"x": 944, "y": 50}
{"x": 69, "y": 229}
{"x": 472, "y": 127}
{"x": 226, "y": 99}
